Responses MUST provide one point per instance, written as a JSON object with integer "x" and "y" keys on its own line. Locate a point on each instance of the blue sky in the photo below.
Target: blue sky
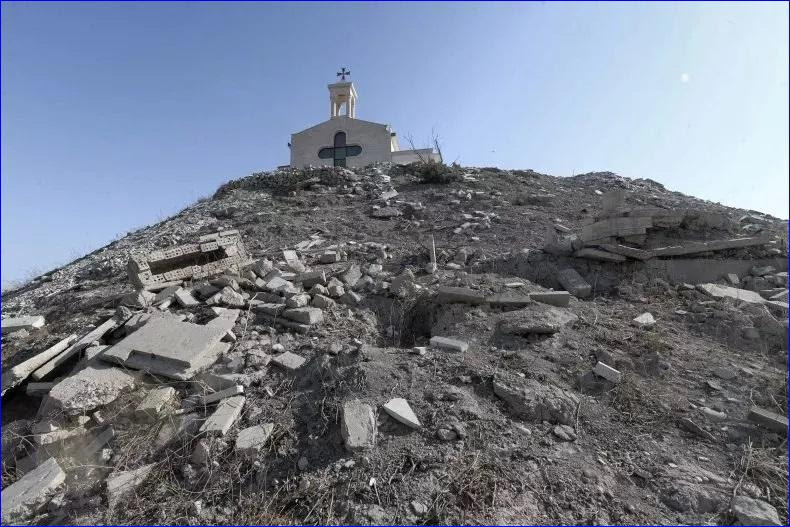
{"x": 116, "y": 115}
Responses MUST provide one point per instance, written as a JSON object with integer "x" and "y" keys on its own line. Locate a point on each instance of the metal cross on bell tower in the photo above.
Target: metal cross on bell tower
{"x": 342, "y": 73}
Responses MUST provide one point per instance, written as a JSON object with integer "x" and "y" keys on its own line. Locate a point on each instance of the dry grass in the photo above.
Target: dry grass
{"x": 766, "y": 468}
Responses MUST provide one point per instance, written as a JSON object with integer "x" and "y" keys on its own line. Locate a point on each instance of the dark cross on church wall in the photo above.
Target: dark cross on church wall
{"x": 342, "y": 73}
{"x": 340, "y": 151}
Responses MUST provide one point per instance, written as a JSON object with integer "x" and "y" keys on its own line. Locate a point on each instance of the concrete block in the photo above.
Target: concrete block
{"x": 305, "y": 315}
{"x": 252, "y": 439}
{"x": 222, "y": 394}
{"x": 156, "y": 402}
{"x": 122, "y": 483}
{"x": 289, "y": 361}
{"x": 300, "y": 300}
{"x": 351, "y": 298}
{"x": 351, "y": 275}
{"x": 270, "y": 309}
{"x": 449, "y": 295}
{"x": 400, "y": 410}
{"x": 171, "y": 348}
{"x": 749, "y": 511}
{"x": 322, "y": 302}
{"x": 616, "y": 227}
{"x": 624, "y": 250}
{"x": 573, "y": 282}
{"x": 185, "y": 298}
{"x": 770, "y": 420}
{"x": 312, "y": 278}
{"x": 23, "y": 370}
{"x": 82, "y": 343}
{"x": 723, "y": 291}
{"x": 227, "y": 412}
{"x": 607, "y": 372}
{"x": 10, "y": 325}
{"x": 329, "y": 257}
{"x": 358, "y": 426}
{"x": 733, "y": 279}
{"x": 552, "y": 298}
{"x": 30, "y": 493}
{"x": 91, "y": 388}
{"x": 450, "y": 344}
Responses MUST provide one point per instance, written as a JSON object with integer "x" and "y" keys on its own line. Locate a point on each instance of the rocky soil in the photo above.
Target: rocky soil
{"x": 513, "y": 428}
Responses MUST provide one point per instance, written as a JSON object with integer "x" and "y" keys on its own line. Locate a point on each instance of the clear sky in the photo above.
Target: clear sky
{"x": 116, "y": 115}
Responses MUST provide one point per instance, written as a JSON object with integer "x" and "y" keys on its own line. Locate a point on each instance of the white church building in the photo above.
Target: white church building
{"x": 345, "y": 141}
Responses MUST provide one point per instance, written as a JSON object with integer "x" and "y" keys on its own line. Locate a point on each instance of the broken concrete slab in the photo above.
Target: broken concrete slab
{"x": 296, "y": 301}
{"x": 351, "y": 298}
{"x": 156, "y": 402}
{"x": 724, "y": 291}
{"x": 749, "y": 511}
{"x": 351, "y": 276}
{"x": 23, "y": 370}
{"x": 768, "y": 419}
{"x": 185, "y": 298}
{"x": 252, "y": 439}
{"x": 9, "y": 325}
{"x": 535, "y": 401}
{"x": 122, "y": 483}
{"x": 289, "y": 361}
{"x": 222, "y": 394}
{"x": 91, "y": 388}
{"x": 607, "y": 372}
{"x": 358, "y": 426}
{"x": 400, "y": 410}
{"x": 31, "y": 492}
{"x": 552, "y": 298}
{"x": 616, "y": 227}
{"x": 598, "y": 254}
{"x": 733, "y": 279}
{"x": 177, "y": 427}
{"x": 82, "y": 343}
{"x": 464, "y": 295}
{"x": 227, "y": 297}
{"x": 305, "y": 315}
{"x": 715, "y": 245}
{"x": 322, "y": 302}
{"x": 227, "y": 412}
{"x": 450, "y": 344}
{"x": 573, "y": 282}
{"x": 312, "y": 278}
{"x": 508, "y": 301}
{"x": 171, "y": 348}
{"x": 538, "y": 319}
{"x": 624, "y": 250}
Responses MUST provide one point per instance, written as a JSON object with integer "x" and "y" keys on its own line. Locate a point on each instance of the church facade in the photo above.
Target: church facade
{"x": 343, "y": 140}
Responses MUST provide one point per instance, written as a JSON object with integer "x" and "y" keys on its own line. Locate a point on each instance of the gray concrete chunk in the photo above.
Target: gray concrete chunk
{"x": 289, "y": 361}
{"x": 400, "y": 410}
{"x": 552, "y": 298}
{"x": 122, "y": 483}
{"x": 17, "y": 323}
{"x": 305, "y": 315}
{"x": 251, "y": 440}
{"x": 227, "y": 412}
{"x": 185, "y": 298}
{"x": 573, "y": 282}
{"x": 770, "y": 420}
{"x": 448, "y": 343}
{"x": 155, "y": 403}
{"x": 22, "y": 371}
{"x": 91, "y": 388}
{"x": 32, "y": 491}
{"x": 358, "y": 426}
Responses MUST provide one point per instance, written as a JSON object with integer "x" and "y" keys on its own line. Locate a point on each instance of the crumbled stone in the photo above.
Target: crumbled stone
{"x": 749, "y": 511}
{"x": 400, "y": 410}
{"x": 645, "y": 320}
{"x": 91, "y": 388}
{"x": 289, "y": 361}
{"x": 252, "y": 439}
{"x": 224, "y": 416}
{"x": 155, "y": 403}
{"x": 121, "y": 483}
{"x": 358, "y": 426}
{"x": 450, "y": 344}
{"x": 31, "y": 492}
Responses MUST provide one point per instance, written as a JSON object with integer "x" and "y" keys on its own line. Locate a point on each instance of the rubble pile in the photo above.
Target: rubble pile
{"x": 357, "y": 346}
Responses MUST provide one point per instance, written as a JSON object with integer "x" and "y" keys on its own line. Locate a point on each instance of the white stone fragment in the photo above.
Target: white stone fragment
{"x": 400, "y": 410}
{"x": 32, "y": 491}
{"x": 607, "y": 372}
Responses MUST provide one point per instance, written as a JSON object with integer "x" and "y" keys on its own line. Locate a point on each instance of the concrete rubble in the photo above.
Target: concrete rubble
{"x": 11, "y": 324}
{"x": 272, "y": 353}
{"x": 33, "y": 491}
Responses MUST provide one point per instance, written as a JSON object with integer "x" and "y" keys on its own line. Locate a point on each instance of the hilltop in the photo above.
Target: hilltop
{"x": 535, "y": 405}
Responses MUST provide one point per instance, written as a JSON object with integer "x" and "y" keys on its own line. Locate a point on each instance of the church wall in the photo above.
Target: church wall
{"x": 374, "y": 139}
{"x": 404, "y": 157}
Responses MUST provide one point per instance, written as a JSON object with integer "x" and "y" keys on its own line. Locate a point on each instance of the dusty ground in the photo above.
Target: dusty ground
{"x": 631, "y": 461}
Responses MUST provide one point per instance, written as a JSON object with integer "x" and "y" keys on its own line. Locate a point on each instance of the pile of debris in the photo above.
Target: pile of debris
{"x": 346, "y": 371}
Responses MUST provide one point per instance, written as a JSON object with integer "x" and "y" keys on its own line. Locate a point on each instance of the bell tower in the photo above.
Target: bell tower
{"x": 343, "y": 94}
